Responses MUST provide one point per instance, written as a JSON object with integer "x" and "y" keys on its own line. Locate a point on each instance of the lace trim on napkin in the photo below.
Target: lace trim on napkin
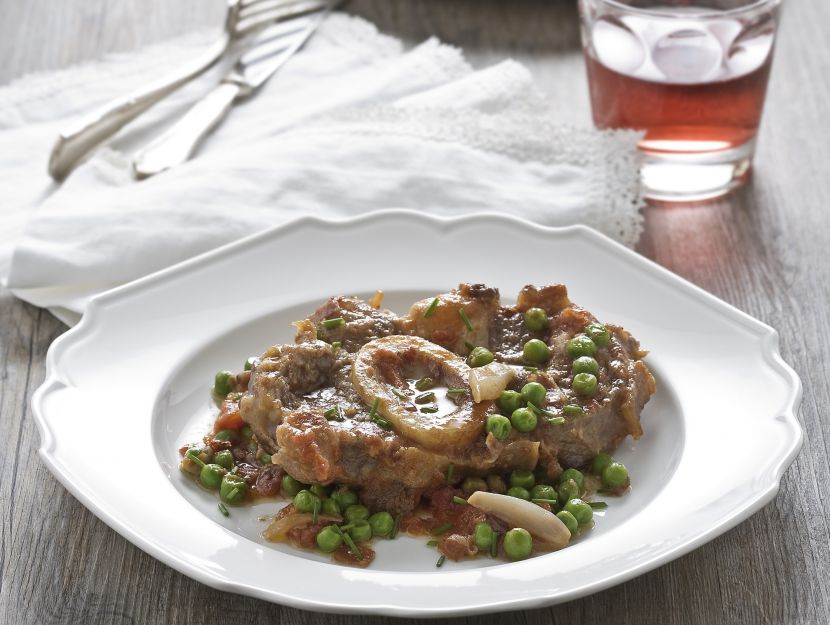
{"x": 525, "y": 134}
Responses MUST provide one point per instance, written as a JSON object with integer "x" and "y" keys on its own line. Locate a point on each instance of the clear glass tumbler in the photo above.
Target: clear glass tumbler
{"x": 693, "y": 75}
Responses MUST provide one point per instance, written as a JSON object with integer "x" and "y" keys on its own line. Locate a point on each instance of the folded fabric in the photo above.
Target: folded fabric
{"x": 351, "y": 124}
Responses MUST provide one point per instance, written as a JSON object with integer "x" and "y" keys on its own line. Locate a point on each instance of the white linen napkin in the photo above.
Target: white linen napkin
{"x": 351, "y": 124}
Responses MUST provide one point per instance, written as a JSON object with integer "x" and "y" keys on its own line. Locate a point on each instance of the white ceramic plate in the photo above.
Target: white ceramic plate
{"x": 132, "y": 380}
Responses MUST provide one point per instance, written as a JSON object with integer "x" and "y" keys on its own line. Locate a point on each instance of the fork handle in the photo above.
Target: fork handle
{"x": 176, "y": 145}
{"x": 76, "y": 141}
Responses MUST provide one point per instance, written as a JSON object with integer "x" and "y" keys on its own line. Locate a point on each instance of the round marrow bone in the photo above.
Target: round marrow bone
{"x": 543, "y": 525}
{"x": 385, "y": 363}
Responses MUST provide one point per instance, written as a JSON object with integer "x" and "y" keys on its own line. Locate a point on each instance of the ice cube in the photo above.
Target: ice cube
{"x": 616, "y": 46}
{"x": 688, "y": 55}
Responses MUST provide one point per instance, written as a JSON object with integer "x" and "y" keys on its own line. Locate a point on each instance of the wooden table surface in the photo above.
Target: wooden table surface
{"x": 763, "y": 249}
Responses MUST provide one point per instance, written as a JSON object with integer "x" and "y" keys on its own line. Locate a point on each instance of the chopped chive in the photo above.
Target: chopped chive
{"x": 315, "y": 517}
{"x": 333, "y": 323}
{"x": 450, "y": 473}
{"x": 232, "y": 495}
{"x": 331, "y": 413}
{"x": 353, "y": 548}
{"x": 194, "y": 456}
{"x": 446, "y": 527}
{"x": 319, "y": 334}
{"x": 395, "y": 528}
{"x": 598, "y": 505}
{"x": 381, "y": 422}
{"x": 470, "y": 347}
{"x": 494, "y": 545}
{"x": 336, "y": 345}
{"x": 456, "y": 391}
{"x": 441, "y": 561}
{"x": 530, "y": 369}
{"x": 429, "y": 409}
{"x": 547, "y": 501}
{"x": 432, "y": 543}
{"x": 376, "y": 418}
{"x": 424, "y": 397}
{"x": 347, "y": 527}
{"x": 572, "y": 409}
{"x": 424, "y": 384}
{"x": 465, "y": 319}
{"x": 459, "y": 500}
{"x": 431, "y": 308}
{"x": 542, "y": 412}
{"x": 223, "y": 509}
{"x": 556, "y": 420}
{"x": 400, "y": 394}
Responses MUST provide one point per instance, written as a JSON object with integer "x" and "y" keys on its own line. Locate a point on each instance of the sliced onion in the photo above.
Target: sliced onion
{"x": 489, "y": 381}
{"x": 277, "y": 532}
{"x": 543, "y": 525}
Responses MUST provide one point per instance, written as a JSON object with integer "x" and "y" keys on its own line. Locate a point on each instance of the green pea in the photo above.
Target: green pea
{"x": 543, "y": 491}
{"x": 226, "y": 435}
{"x": 534, "y": 393}
{"x": 517, "y": 544}
{"x": 536, "y": 351}
{"x": 582, "y": 511}
{"x": 536, "y": 319}
{"x": 361, "y": 531}
{"x": 233, "y": 489}
{"x": 223, "y": 383}
{"x": 568, "y": 490}
{"x": 509, "y": 401}
{"x": 344, "y": 498}
{"x": 599, "y": 334}
{"x": 518, "y": 492}
{"x": 321, "y": 491}
{"x": 330, "y": 507}
{"x": 472, "y": 484}
{"x": 600, "y": 462}
{"x": 523, "y": 419}
{"x": 585, "y": 364}
{"x": 304, "y": 501}
{"x": 246, "y": 431}
{"x": 290, "y": 486}
{"x": 479, "y": 357}
{"x": 584, "y": 384}
{"x": 523, "y": 478}
{"x": 496, "y": 484}
{"x": 211, "y": 475}
{"x": 615, "y": 475}
{"x": 499, "y": 426}
{"x": 329, "y": 539}
{"x": 483, "y": 536}
{"x": 224, "y": 459}
{"x": 569, "y": 520}
{"x": 356, "y": 512}
{"x": 265, "y": 459}
{"x": 382, "y": 523}
{"x": 575, "y": 475}
{"x": 581, "y": 345}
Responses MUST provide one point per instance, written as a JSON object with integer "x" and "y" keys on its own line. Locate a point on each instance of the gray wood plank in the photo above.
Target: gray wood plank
{"x": 763, "y": 250}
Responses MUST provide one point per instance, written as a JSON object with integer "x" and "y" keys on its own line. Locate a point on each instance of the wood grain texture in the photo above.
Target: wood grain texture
{"x": 763, "y": 250}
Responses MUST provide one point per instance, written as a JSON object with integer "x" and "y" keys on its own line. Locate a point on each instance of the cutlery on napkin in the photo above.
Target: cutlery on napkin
{"x": 352, "y": 124}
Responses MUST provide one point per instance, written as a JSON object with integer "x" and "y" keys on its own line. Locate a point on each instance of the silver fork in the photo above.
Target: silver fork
{"x": 241, "y": 18}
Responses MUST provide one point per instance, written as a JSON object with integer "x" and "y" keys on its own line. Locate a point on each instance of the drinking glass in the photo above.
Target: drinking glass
{"x": 692, "y": 74}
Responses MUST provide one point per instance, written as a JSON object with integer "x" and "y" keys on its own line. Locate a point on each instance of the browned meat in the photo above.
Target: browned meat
{"x": 304, "y": 408}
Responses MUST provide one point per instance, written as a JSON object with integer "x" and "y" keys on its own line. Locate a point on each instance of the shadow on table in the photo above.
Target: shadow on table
{"x": 505, "y": 27}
